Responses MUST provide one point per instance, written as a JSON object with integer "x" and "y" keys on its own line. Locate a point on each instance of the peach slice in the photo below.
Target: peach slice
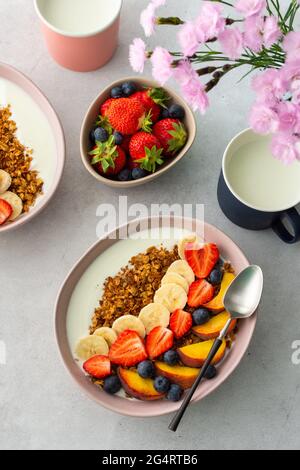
{"x": 194, "y": 355}
{"x": 216, "y": 304}
{"x": 138, "y": 387}
{"x": 180, "y": 375}
{"x": 214, "y": 326}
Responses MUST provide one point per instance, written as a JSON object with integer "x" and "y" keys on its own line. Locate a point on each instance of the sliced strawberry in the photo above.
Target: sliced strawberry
{"x": 200, "y": 293}
{"x": 202, "y": 261}
{"x": 5, "y": 211}
{"x": 181, "y": 322}
{"x": 128, "y": 350}
{"x": 98, "y": 366}
{"x": 159, "y": 341}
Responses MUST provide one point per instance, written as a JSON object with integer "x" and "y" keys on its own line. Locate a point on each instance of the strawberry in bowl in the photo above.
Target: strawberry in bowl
{"x": 134, "y": 131}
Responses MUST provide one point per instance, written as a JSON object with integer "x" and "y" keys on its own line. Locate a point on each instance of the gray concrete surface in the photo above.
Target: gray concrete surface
{"x": 40, "y": 408}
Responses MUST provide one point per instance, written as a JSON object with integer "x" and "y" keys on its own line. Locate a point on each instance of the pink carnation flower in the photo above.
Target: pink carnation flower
{"x": 231, "y": 41}
{"x": 137, "y": 55}
{"x": 162, "y": 65}
{"x": 291, "y": 45}
{"x": 210, "y": 23}
{"x": 191, "y": 87}
{"x": 272, "y": 31}
{"x": 263, "y": 119}
{"x": 188, "y": 39}
{"x": 285, "y": 147}
{"x": 269, "y": 87}
{"x": 253, "y": 38}
{"x": 250, "y": 7}
{"x": 288, "y": 114}
{"x": 148, "y": 20}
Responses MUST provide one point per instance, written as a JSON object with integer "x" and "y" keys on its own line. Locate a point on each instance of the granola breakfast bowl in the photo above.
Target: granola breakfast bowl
{"x": 32, "y": 150}
{"x": 161, "y": 100}
{"x": 99, "y": 274}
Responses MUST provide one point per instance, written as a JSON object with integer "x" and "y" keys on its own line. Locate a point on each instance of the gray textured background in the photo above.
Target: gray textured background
{"x": 259, "y": 406}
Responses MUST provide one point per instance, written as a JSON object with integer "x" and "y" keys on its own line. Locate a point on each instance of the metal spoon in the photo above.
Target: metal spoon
{"x": 241, "y": 301}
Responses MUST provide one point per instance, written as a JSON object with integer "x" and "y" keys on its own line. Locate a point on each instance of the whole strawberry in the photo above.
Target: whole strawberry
{"x": 127, "y": 116}
{"x": 172, "y": 135}
{"x": 109, "y": 159}
{"x": 146, "y": 150}
{"x": 152, "y": 99}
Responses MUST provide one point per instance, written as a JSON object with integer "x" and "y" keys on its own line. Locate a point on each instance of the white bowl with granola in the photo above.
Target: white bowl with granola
{"x": 32, "y": 149}
{"x": 135, "y": 318}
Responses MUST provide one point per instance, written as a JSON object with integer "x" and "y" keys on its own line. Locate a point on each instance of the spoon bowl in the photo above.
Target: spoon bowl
{"x": 244, "y": 293}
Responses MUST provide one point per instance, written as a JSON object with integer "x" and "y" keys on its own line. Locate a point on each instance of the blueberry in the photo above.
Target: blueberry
{"x": 128, "y": 88}
{"x": 201, "y": 316}
{"x": 112, "y": 384}
{"x": 165, "y": 113}
{"x": 116, "y": 92}
{"x": 210, "y": 373}
{"x": 161, "y": 384}
{"x": 176, "y": 111}
{"x": 92, "y": 136}
{"x": 175, "y": 393}
{"x": 171, "y": 357}
{"x": 138, "y": 173}
{"x": 124, "y": 175}
{"x": 145, "y": 369}
{"x": 101, "y": 135}
{"x": 118, "y": 138}
{"x": 216, "y": 277}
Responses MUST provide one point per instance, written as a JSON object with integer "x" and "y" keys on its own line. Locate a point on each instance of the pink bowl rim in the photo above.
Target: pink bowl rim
{"x": 74, "y": 35}
{"x": 59, "y": 137}
{"x": 166, "y": 407}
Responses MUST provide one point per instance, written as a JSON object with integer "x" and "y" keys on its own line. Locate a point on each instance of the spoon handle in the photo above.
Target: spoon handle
{"x": 177, "y": 418}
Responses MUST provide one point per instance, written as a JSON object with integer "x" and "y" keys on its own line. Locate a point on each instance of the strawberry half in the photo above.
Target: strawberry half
{"x": 98, "y": 366}
{"x": 5, "y": 211}
{"x": 181, "y": 322}
{"x": 200, "y": 293}
{"x": 159, "y": 341}
{"x": 109, "y": 158}
{"x": 128, "y": 116}
{"x": 145, "y": 149}
{"x": 104, "y": 107}
{"x": 128, "y": 350}
{"x": 202, "y": 261}
{"x": 152, "y": 99}
{"x": 172, "y": 135}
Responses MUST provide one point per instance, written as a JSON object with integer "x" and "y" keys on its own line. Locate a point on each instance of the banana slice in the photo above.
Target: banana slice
{"x": 153, "y": 315}
{"x": 5, "y": 181}
{"x": 174, "y": 278}
{"x": 108, "y": 334}
{"x": 91, "y": 346}
{"x": 172, "y": 296}
{"x": 183, "y": 268}
{"x": 15, "y": 202}
{"x": 191, "y": 238}
{"x": 129, "y": 322}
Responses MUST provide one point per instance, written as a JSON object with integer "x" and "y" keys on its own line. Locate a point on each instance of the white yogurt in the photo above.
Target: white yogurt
{"x": 80, "y": 16}
{"x": 34, "y": 131}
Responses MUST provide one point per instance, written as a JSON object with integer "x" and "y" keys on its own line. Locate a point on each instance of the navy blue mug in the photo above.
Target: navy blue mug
{"x": 258, "y": 192}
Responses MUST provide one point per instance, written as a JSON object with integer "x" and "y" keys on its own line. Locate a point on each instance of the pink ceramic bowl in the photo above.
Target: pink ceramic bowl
{"x": 93, "y": 112}
{"x": 80, "y": 35}
{"x": 14, "y": 78}
{"x": 229, "y": 251}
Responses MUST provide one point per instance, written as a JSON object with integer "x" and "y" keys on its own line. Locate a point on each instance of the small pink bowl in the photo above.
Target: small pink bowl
{"x": 80, "y": 51}
{"x": 17, "y": 78}
{"x": 229, "y": 251}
